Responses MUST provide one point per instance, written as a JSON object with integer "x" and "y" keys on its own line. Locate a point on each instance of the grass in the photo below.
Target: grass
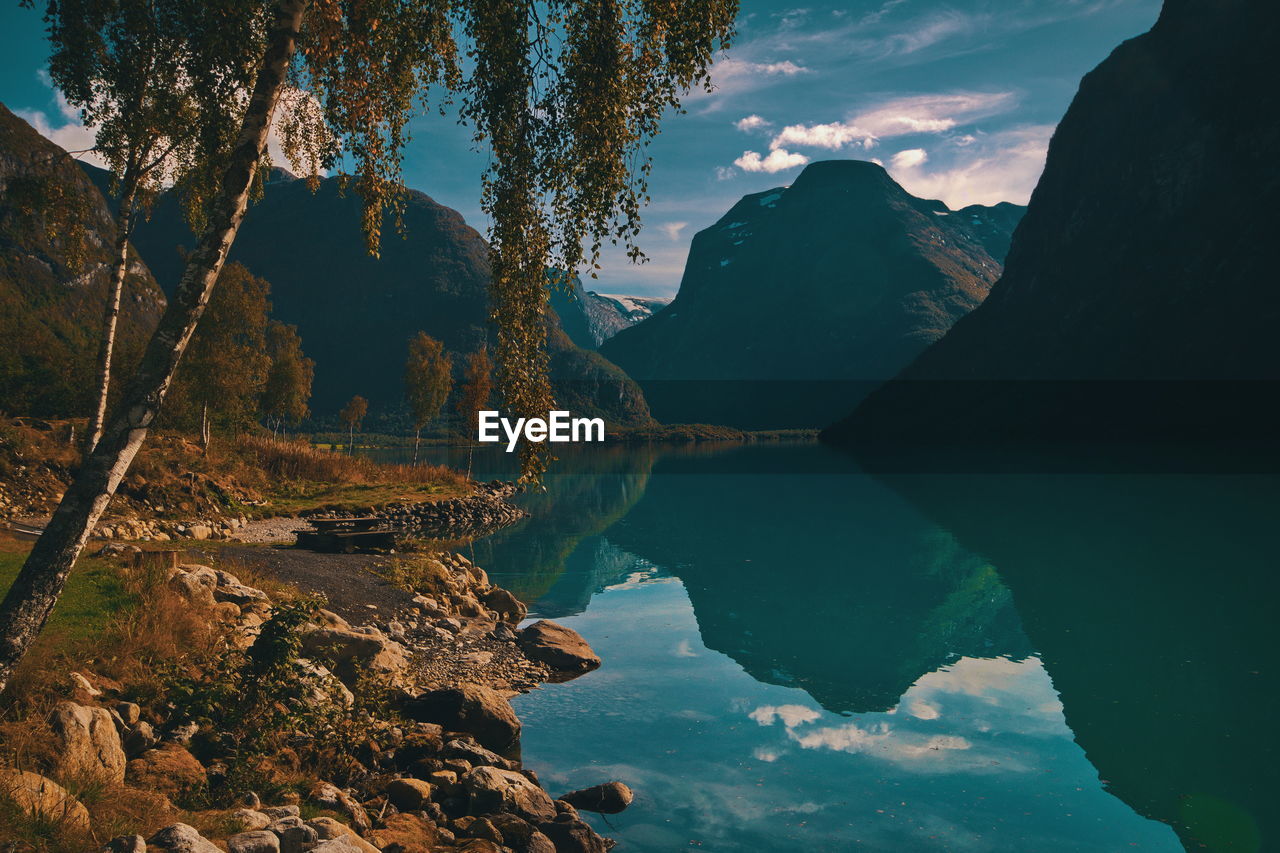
{"x": 306, "y": 478}
{"x": 94, "y": 594}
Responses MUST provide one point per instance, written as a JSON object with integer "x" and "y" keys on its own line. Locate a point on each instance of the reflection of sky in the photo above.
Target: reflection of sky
{"x": 976, "y": 756}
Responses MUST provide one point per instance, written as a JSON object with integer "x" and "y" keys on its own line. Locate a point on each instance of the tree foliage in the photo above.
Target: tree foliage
{"x": 224, "y": 372}
{"x": 352, "y": 416}
{"x": 428, "y": 378}
{"x": 475, "y": 390}
{"x": 287, "y": 390}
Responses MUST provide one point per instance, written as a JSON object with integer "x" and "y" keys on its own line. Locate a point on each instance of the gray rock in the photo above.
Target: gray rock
{"x": 490, "y": 789}
{"x": 259, "y": 841}
{"x": 126, "y": 844}
{"x": 480, "y": 712}
{"x": 278, "y": 812}
{"x": 139, "y": 738}
{"x": 609, "y": 798}
{"x": 86, "y": 744}
{"x": 337, "y": 845}
{"x": 182, "y": 838}
{"x": 560, "y": 648}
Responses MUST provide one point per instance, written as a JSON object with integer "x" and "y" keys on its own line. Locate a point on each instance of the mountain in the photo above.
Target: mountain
{"x": 843, "y": 277}
{"x": 590, "y": 318}
{"x": 1139, "y": 297}
{"x": 54, "y": 279}
{"x": 356, "y": 313}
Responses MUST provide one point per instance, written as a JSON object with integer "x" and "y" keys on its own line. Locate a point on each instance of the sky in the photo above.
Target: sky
{"x": 956, "y": 99}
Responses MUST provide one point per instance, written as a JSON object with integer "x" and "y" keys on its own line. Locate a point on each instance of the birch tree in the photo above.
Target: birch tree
{"x": 428, "y": 378}
{"x": 564, "y": 94}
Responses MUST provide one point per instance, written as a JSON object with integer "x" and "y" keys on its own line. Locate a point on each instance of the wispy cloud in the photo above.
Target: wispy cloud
{"x": 778, "y": 160}
{"x": 790, "y": 715}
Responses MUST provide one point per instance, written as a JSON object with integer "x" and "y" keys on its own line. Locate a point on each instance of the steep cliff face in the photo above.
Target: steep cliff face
{"x": 357, "y": 313}
{"x": 843, "y": 276}
{"x": 54, "y": 278}
{"x": 1145, "y": 256}
{"x": 590, "y": 318}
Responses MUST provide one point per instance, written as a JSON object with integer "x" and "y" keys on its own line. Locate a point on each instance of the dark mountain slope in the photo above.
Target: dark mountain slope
{"x": 842, "y": 277}
{"x": 1146, "y": 256}
{"x": 54, "y": 280}
{"x": 356, "y": 313}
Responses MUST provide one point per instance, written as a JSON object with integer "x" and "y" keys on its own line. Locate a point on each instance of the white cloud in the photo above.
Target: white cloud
{"x": 765, "y": 754}
{"x": 899, "y": 117}
{"x": 909, "y": 159}
{"x": 724, "y": 173}
{"x": 999, "y": 167}
{"x": 790, "y": 715}
{"x": 683, "y": 648}
{"x": 672, "y": 230}
{"x": 923, "y": 710}
{"x": 733, "y": 75}
{"x": 777, "y": 161}
{"x": 831, "y": 136}
{"x": 752, "y": 122}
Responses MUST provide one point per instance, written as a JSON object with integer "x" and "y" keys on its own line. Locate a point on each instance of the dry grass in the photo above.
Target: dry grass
{"x": 123, "y": 632}
{"x": 296, "y": 460}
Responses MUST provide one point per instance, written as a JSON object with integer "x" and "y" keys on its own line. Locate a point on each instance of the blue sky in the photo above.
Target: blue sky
{"x": 957, "y": 99}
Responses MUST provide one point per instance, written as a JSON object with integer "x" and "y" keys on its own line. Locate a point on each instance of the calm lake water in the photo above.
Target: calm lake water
{"x": 800, "y": 656}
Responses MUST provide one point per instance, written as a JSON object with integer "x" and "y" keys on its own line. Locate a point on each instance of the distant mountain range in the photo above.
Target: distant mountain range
{"x": 54, "y": 279}
{"x": 356, "y": 313}
{"x": 590, "y": 318}
{"x": 1140, "y": 296}
{"x": 843, "y": 277}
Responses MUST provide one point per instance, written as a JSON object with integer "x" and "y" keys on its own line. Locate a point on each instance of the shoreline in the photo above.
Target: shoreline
{"x": 442, "y": 643}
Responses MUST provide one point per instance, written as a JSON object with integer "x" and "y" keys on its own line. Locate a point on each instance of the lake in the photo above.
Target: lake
{"x": 800, "y": 655}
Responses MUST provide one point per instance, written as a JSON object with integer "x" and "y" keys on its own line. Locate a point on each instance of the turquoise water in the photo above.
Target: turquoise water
{"x": 799, "y": 656}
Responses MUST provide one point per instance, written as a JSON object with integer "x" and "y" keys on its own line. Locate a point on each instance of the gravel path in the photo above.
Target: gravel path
{"x": 270, "y": 531}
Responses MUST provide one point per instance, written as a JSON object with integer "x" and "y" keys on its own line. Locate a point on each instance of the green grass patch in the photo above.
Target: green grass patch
{"x": 93, "y": 595}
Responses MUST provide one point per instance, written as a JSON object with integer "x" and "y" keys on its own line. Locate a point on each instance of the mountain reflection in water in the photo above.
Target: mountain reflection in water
{"x": 799, "y": 653}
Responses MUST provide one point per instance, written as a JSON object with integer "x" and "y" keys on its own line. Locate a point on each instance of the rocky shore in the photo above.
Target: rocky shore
{"x": 433, "y": 765}
{"x": 478, "y": 514}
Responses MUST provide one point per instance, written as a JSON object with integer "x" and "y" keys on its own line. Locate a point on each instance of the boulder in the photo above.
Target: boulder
{"x": 477, "y": 755}
{"x": 181, "y": 838}
{"x": 352, "y": 651}
{"x": 560, "y": 648}
{"x": 259, "y": 841}
{"x": 345, "y": 844}
{"x": 490, "y": 789}
{"x": 86, "y": 744}
{"x": 609, "y": 798}
{"x": 506, "y": 605}
{"x": 139, "y": 737}
{"x": 328, "y": 829}
{"x": 408, "y": 795}
{"x": 573, "y": 836}
{"x": 43, "y": 798}
{"x": 192, "y": 588}
{"x": 126, "y": 844}
{"x": 409, "y": 833}
{"x": 172, "y": 770}
{"x": 247, "y": 820}
{"x": 480, "y": 712}
{"x": 332, "y": 797}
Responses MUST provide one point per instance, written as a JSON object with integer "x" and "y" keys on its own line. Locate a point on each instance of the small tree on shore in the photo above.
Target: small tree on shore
{"x": 428, "y": 378}
{"x": 288, "y": 387}
{"x": 473, "y": 395}
{"x": 225, "y": 370}
{"x": 352, "y": 416}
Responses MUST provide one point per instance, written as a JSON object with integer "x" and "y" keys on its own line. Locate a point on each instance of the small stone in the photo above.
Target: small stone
{"x": 129, "y": 712}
